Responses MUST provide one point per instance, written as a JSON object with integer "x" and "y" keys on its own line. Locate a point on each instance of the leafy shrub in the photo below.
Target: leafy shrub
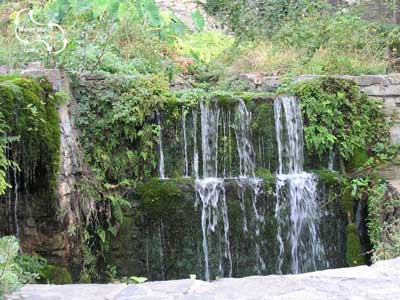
{"x": 250, "y": 19}
{"x": 384, "y": 220}
{"x": 33, "y": 265}
{"x": 10, "y": 273}
{"x": 339, "y": 118}
{"x": 15, "y": 270}
{"x": 303, "y": 37}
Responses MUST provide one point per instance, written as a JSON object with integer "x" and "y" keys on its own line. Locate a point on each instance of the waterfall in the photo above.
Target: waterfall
{"x": 212, "y": 195}
{"x": 210, "y": 188}
{"x": 186, "y": 171}
{"x": 209, "y": 138}
{"x": 195, "y": 151}
{"x": 243, "y": 139}
{"x": 161, "y": 150}
{"x": 296, "y": 203}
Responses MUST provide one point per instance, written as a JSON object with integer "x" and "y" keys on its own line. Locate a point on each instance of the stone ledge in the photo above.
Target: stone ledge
{"x": 381, "y": 281}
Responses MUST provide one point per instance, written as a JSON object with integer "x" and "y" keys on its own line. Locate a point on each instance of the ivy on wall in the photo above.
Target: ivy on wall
{"x": 119, "y": 135}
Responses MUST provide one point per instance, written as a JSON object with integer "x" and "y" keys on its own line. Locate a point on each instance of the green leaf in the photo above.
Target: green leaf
{"x": 198, "y": 20}
{"x": 151, "y": 13}
{"x": 102, "y": 235}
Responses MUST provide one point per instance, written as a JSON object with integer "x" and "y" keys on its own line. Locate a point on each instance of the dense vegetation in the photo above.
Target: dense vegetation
{"x": 272, "y": 37}
{"x": 145, "y": 49}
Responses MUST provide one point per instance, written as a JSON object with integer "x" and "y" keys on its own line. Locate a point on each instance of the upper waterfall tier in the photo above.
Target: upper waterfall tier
{"x": 220, "y": 139}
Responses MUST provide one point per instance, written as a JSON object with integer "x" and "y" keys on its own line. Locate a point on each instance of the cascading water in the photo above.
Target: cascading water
{"x": 161, "y": 150}
{"x": 242, "y": 236}
{"x": 247, "y": 175}
{"x": 209, "y": 138}
{"x": 243, "y": 139}
{"x": 195, "y": 151}
{"x": 296, "y": 192}
{"x": 185, "y": 153}
{"x": 210, "y": 188}
{"x": 211, "y": 192}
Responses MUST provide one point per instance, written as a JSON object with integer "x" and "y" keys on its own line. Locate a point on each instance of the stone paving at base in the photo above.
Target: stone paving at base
{"x": 378, "y": 282}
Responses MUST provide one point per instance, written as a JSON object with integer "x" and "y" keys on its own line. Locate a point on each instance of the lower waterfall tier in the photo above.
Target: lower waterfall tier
{"x": 164, "y": 232}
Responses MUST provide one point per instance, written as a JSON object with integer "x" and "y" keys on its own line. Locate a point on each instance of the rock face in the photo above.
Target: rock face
{"x": 45, "y": 231}
{"x": 380, "y": 281}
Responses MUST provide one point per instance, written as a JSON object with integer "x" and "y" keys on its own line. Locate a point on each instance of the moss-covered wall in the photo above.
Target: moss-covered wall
{"x": 29, "y": 207}
{"x": 161, "y": 237}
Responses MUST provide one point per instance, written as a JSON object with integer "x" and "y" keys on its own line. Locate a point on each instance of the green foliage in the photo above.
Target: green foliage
{"x": 136, "y": 279}
{"x": 306, "y": 37}
{"x": 384, "y": 221}
{"x": 198, "y": 20}
{"x": 14, "y": 270}
{"x": 340, "y": 119}
{"x": 205, "y": 47}
{"x": 160, "y": 197}
{"x": 328, "y": 177}
{"x": 119, "y": 143}
{"x": 5, "y": 163}
{"x": 119, "y": 133}
{"x": 34, "y": 265}
{"x": 128, "y": 37}
{"x": 263, "y": 18}
{"x": 10, "y": 273}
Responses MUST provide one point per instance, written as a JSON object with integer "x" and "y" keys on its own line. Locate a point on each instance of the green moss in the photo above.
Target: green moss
{"x": 268, "y": 178}
{"x": 327, "y": 177}
{"x": 347, "y": 202}
{"x": 56, "y": 275}
{"x": 31, "y": 115}
{"x": 266, "y": 175}
{"x": 354, "y": 255}
{"x": 158, "y": 196}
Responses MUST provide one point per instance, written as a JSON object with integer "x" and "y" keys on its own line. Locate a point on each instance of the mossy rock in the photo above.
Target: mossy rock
{"x": 56, "y": 275}
{"x": 30, "y": 112}
{"x": 354, "y": 255}
{"x": 347, "y": 202}
{"x": 160, "y": 196}
{"x": 267, "y": 177}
